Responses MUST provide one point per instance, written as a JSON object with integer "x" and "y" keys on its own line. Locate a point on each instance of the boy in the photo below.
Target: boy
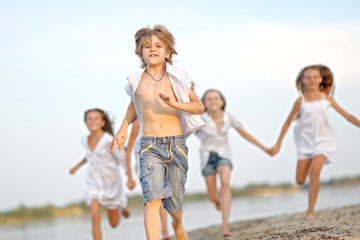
{"x": 164, "y": 101}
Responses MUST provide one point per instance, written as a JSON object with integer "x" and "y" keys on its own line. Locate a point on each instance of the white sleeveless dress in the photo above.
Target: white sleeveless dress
{"x": 103, "y": 180}
{"x": 313, "y": 133}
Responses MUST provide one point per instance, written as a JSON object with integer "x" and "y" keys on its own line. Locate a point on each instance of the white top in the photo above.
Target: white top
{"x": 213, "y": 140}
{"x": 103, "y": 180}
{"x": 181, "y": 84}
{"x": 313, "y": 133}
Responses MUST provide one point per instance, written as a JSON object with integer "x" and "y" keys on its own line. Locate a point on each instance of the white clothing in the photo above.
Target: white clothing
{"x": 313, "y": 133}
{"x": 181, "y": 84}
{"x": 213, "y": 140}
{"x": 103, "y": 180}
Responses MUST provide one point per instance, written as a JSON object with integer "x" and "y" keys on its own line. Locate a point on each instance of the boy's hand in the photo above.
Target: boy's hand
{"x": 169, "y": 99}
{"x": 119, "y": 139}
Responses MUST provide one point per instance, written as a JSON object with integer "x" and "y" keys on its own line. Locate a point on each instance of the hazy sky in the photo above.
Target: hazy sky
{"x": 59, "y": 58}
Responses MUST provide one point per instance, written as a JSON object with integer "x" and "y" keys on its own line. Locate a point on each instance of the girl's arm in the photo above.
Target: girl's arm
{"x": 134, "y": 132}
{"x": 74, "y": 169}
{"x": 251, "y": 139}
{"x": 121, "y": 135}
{"x": 275, "y": 149}
{"x": 346, "y": 115}
{"x": 195, "y": 105}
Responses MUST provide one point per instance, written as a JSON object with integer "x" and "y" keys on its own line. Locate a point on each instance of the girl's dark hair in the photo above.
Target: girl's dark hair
{"x": 107, "y": 127}
{"x": 214, "y": 90}
{"x": 327, "y": 85}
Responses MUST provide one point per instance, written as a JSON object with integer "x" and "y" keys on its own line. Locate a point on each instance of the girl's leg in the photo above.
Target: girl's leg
{"x": 302, "y": 170}
{"x": 212, "y": 190}
{"x": 225, "y": 172}
{"x": 163, "y": 220}
{"x": 314, "y": 173}
{"x": 95, "y": 208}
{"x": 114, "y": 217}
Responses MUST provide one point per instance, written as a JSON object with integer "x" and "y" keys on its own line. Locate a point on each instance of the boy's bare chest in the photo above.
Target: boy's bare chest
{"x": 150, "y": 89}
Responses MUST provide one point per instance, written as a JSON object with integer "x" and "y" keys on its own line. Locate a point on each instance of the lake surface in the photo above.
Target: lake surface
{"x": 196, "y": 215}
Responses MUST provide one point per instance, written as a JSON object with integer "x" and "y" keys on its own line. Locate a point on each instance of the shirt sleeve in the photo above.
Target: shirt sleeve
{"x": 234, "y": 121}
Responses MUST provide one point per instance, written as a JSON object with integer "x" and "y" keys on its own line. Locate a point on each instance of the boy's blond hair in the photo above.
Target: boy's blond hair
{"x": 144, "y": 34}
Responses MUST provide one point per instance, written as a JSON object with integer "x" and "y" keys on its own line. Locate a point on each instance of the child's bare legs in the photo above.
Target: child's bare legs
{"x": 152, "y": 219}
{"x": 95, "y": 208}
{"x": 311, "y": 167}
{"x": 212, "y": 190}
{"x": 180, "y": 232}
{"x": 163, "y": 219}
{"x": 224, "y": 172}
{"x": 114, "y": 217}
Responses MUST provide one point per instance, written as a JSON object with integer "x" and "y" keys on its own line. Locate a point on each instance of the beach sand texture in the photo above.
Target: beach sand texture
{"x": 341, "y": 223}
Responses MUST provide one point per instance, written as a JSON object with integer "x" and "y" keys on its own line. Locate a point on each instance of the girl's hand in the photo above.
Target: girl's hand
{"x": 73, "y": 170}
{"x": 131, "y": 184}
{"x": 169, "y": 99}
{"x": 119, "y": 139}
{"x": 274, "y": 150}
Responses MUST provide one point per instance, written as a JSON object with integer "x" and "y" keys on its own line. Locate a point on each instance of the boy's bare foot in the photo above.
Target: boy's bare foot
{"x": 125, "y": 212}
{"x": 227, "y": 234}
{"x": 218, "y": 205}
{"x": 310, "y": 217}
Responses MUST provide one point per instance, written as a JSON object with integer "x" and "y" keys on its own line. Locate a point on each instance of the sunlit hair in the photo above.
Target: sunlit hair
{"x": 327, "y": 85}
{"x": 213, "y": 90}
{"x": 107, "y": 127}
{"x": 144, "y": 35}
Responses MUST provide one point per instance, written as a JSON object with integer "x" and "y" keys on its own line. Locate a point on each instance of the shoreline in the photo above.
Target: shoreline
{"x": 337, "y": 223}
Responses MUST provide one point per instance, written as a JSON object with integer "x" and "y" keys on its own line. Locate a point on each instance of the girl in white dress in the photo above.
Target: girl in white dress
{"x": 215, "y": 151}
{"x": 314, "y": 137}
{"x": 103, "y": 183}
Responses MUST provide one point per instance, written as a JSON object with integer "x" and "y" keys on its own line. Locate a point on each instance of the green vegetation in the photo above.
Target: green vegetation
{"x": 23, "y": 213}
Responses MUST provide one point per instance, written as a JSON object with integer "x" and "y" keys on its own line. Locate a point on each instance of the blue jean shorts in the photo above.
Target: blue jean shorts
{"x": 163, "y": 170}
{"x": 213, "y": 162}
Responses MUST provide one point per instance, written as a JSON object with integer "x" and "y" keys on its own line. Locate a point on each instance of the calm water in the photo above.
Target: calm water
{"x": 196, "y": 215}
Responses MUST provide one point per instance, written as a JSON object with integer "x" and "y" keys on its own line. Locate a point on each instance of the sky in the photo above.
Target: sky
{"x": 60, "y": 58}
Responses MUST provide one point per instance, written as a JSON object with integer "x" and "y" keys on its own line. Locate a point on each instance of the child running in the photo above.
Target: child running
{"x": 215, "y": 151}
{"x": 133, "y": 144}
{"x": 103, "y": 183}
{"x": 164, "y": 101}
{"x": 314, "y": 137}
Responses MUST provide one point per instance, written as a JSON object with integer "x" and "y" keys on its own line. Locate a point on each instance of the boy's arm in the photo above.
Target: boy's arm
{"x": 195, "y": 105}
{"x": 74, "y": 169}
{"x": 120, "y": 137}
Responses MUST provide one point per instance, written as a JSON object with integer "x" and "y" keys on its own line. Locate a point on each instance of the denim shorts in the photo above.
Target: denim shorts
{"x": 163, "y": 170}
{"x": 214, "y": 162}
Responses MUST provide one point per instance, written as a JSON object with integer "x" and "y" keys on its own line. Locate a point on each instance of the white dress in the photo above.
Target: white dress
{"x": 213, "y": 140}
{"x": 103, "y": 180}
{"x": 313, "y": 133}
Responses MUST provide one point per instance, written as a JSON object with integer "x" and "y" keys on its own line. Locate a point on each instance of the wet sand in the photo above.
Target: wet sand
{"x": 341, "y": 223}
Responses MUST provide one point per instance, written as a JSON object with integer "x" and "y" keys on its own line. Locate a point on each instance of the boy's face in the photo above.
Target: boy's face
{"x": 154, "y": 52}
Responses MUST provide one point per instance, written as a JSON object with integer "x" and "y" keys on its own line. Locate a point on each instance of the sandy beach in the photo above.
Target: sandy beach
{"x": 341, "y": 223}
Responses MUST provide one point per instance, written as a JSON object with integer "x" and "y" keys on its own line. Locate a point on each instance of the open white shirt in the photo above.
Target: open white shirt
{"x": 214, "y": 140}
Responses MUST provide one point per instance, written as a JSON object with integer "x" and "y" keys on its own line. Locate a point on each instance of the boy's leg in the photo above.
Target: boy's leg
{"x": 95, "y": 208}
{"x": 212, "y": 190}
{"x": 163, "y": 220}
{"x": 225, "y": 172}
{"x": 180, "y": 232}
{"x": 152, "y": 219}
{"x": 314, "y": 174}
